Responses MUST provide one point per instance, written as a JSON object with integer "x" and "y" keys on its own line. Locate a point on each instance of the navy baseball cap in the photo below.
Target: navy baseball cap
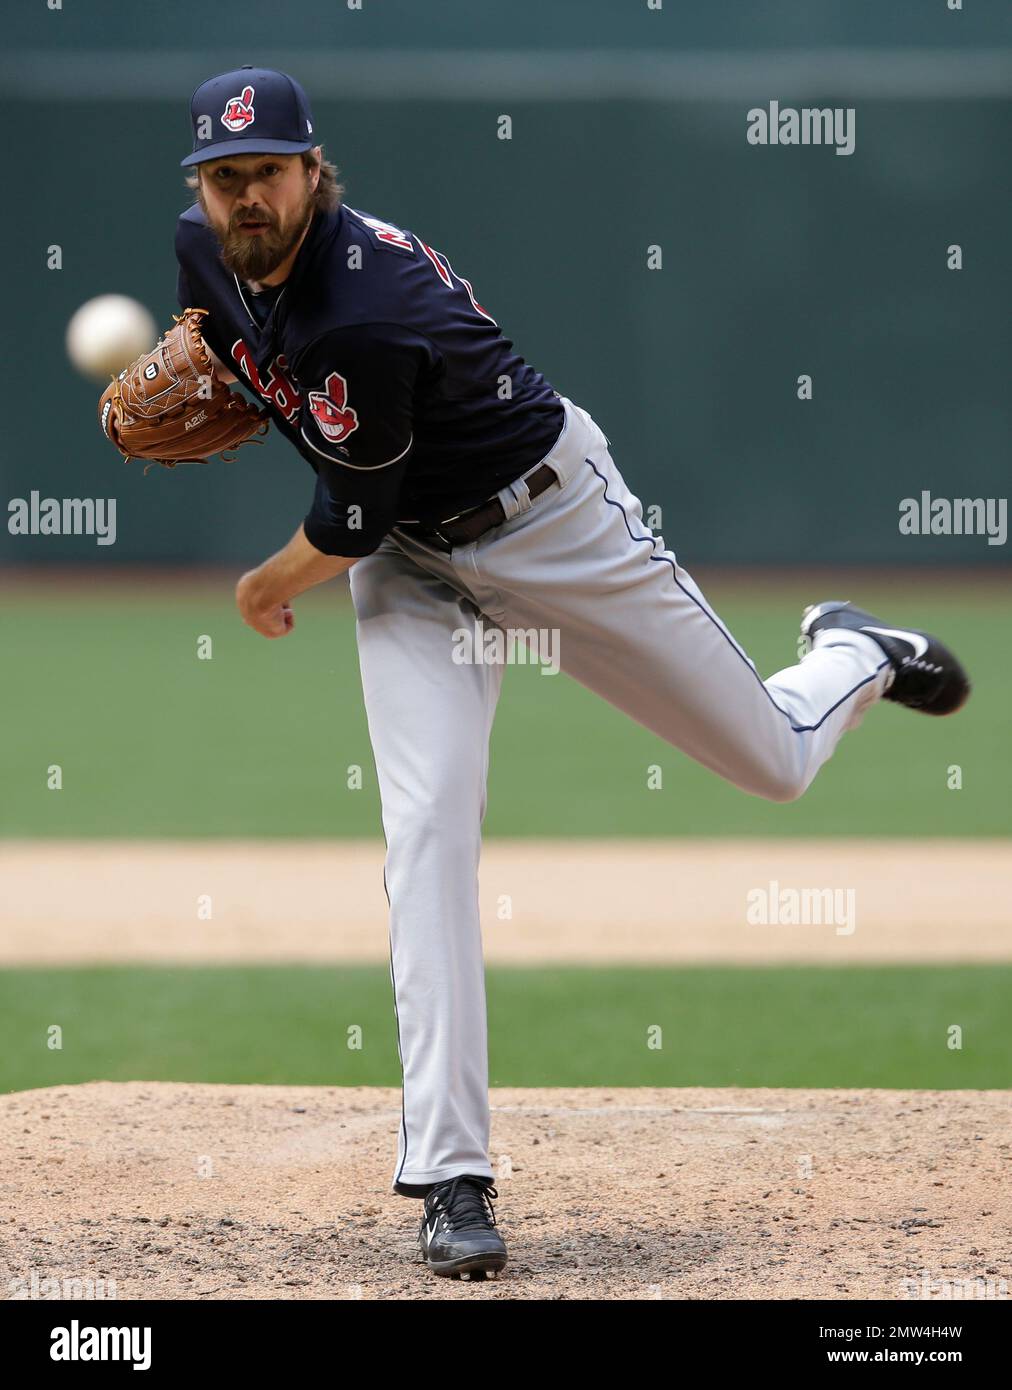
{"x": 249, "y": 111}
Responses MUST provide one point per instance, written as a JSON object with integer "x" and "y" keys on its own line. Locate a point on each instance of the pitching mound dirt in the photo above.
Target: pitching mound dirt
{"x": 254, "y": 1192}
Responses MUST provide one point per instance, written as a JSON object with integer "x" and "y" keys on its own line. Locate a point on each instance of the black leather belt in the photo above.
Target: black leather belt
{"x": 471, "y": 525}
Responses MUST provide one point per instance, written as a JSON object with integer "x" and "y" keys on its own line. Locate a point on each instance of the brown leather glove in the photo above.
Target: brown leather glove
{"x": 169, "y": 406}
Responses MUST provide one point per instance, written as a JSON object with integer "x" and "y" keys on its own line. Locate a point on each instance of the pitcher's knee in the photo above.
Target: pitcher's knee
{"x": 435, "y": 819}
{"x": 786, "y": 789}
{"x": 779, "y": 781}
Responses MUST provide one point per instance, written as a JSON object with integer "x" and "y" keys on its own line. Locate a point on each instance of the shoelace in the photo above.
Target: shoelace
{"x": 910, "y": 662}
{"x": 465, "y": 1203}
{"x": 919, "y": 664}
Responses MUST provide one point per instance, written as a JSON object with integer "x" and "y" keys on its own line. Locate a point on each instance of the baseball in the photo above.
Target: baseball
{"x": 108, "y": 333}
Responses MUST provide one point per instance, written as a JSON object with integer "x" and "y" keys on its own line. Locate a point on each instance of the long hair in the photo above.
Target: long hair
{"x": 328, "y": 191}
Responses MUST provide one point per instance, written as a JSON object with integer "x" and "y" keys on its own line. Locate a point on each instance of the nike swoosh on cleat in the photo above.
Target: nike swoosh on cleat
{"x": 916, "y": 640}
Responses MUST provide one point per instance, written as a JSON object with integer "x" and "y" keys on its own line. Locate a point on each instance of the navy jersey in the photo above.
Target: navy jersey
{"x": 377, "y": 362}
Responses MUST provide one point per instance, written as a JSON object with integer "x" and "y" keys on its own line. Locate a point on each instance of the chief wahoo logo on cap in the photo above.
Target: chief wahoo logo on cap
{"x": 238, "y": 111}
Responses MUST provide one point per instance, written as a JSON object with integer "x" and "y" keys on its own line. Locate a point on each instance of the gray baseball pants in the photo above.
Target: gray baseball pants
{"x": 631, "y": 625}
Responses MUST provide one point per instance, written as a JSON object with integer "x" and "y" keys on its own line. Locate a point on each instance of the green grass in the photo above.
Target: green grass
{"x": 802, "y": 1026}
{"x": 258, "y": 740}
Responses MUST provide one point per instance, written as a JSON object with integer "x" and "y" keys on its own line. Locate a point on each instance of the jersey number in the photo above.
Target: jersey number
{"x": 447, "y": 274}
{"x": 393, "y": 236}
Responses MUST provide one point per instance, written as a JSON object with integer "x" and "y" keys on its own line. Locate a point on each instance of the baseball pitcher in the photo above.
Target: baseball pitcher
{"x": 458, "y": 487}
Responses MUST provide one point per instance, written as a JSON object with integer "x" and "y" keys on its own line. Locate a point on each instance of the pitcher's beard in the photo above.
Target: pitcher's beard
{"x": 253, "y": 257}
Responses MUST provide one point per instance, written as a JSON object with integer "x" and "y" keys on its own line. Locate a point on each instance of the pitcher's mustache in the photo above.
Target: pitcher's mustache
{"x": 245, "y": 219}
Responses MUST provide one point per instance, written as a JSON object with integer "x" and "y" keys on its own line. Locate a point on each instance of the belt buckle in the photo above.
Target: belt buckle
{"x": 457, "y": 516}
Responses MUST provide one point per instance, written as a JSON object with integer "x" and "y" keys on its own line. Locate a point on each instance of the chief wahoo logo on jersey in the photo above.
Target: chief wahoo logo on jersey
{"x": 238, "y": 111}
{"x": 335, "y": 418}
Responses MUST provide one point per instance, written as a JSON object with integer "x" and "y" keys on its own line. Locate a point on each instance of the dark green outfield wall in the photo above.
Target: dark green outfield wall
{"x": 628, "y": 132}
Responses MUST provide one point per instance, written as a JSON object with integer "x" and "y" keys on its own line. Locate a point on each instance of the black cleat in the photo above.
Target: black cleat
{"x": 458, "y": 1234}
{"x": 927, "y": 675}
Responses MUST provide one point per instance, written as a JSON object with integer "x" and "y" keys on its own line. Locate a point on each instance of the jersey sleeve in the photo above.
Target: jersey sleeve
{"x": 184, "y": 294}
{"x": 356, "y": 428}
{"x": 185, "y": 233}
